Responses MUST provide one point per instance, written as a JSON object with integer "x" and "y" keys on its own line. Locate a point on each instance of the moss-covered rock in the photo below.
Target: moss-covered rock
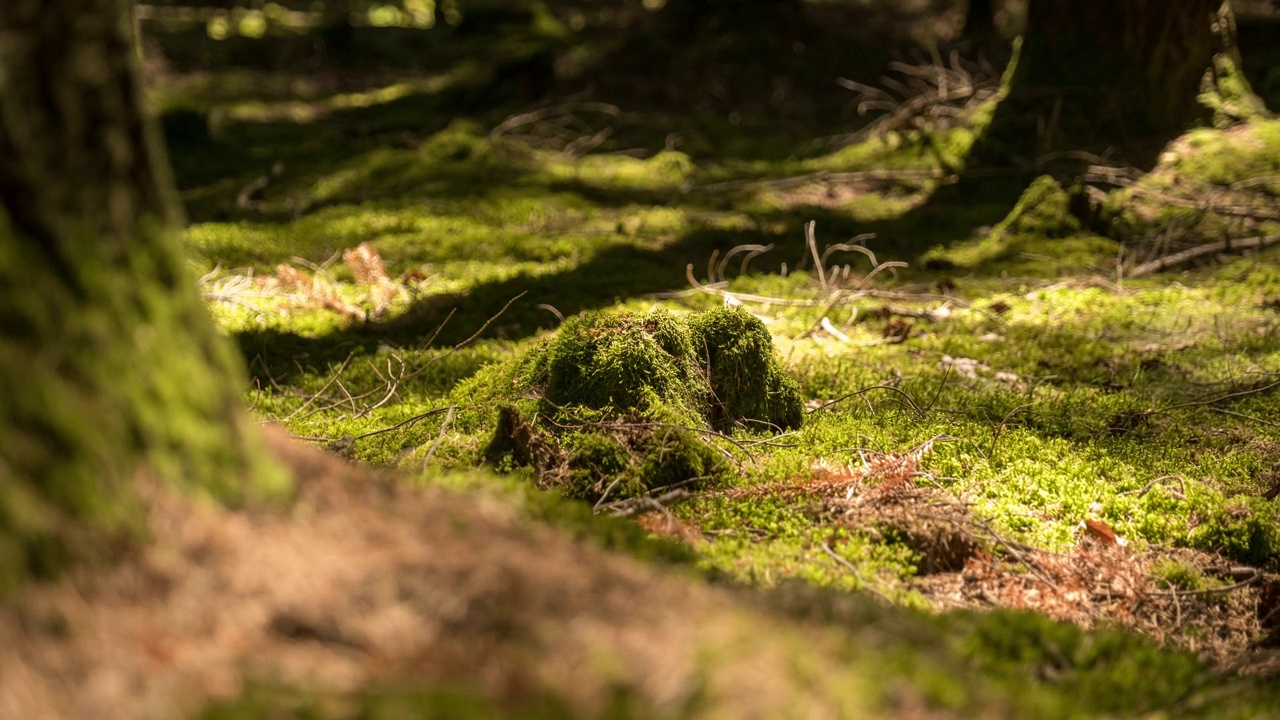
{"x": 626, "y": 402}
{"x": 715, "y": 367}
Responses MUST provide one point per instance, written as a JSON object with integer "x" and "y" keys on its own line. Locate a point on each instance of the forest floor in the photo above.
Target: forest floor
{"x": 1036, "y": 474}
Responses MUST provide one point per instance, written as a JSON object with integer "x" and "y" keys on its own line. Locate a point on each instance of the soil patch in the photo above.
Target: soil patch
{"x": 365, "y": 582}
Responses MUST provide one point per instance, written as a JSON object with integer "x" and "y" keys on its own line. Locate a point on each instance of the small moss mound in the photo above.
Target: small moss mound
{"x": 1044, "y": 211}
{"x": 639, "y": 363}
{"x": 625, "y": 403}
{"x": 747, "y": 385}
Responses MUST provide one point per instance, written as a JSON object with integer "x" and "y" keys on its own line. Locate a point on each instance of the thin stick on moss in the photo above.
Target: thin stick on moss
{"x": 632, "y": 507}
{"x": 410, "y": 422}
{"x": 1215, "y": 400}
{"x": 811, "y": 241}
{"x": 1210, "y": 591}
{"x": 1004, "y": 422}
{"x": 427, "y": 343}
{"x": 1180, "y": 494}
{"x": 392, "y": 383}
{"x": 854, "y": 572}
{"x": 336, "y": 374}
{"x": 1168, "y": 261}
{"x": 1242, "y": 416}
{"x": 752, "y": 252}
{"x": 857, "y": 393}
{"x": 444, "y": 427}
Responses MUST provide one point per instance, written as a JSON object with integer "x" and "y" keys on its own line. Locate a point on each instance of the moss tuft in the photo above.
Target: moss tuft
{"x": 747, "y": 385}
{"x": 1044, "y": 211}
{"x": 624, "y": 401}
{"x": 1245, "y": 530}
{"x": 624, "y": 363}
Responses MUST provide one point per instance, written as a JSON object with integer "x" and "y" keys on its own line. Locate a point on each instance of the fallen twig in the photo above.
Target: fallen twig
{"x": 854, "y": 572}
{"x": 632, "y": 507}
{"x": 1209, "y": 591}
{"x": 444, "y": 426}
{"x": 1168, "y": 261}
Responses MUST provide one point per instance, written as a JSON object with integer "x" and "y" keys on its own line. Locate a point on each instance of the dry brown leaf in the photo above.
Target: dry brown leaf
{"x": 1101, "y": 532}
{"x": 366, "y": 265}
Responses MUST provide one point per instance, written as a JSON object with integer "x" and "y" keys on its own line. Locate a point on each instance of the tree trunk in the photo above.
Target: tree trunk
{"x": 979, "y": 18}
{"x": 1093, "y": 73}
{"x": 109, "y": 364}
{"x": 705, "y": 19}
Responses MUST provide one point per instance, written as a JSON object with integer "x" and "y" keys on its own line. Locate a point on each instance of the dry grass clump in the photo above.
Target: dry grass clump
{"x": 372, "y": 294}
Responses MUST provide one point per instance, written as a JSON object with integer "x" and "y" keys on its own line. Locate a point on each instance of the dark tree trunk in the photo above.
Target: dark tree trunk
{"x": 701, "y": 18}
{"x": 979, "y": 18}
{"x": 109, "y": 364}
{"x": 1092, "y": 73}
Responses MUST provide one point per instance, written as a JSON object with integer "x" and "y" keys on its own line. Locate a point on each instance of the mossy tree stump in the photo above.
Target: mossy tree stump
{"x": 624, "y": 403}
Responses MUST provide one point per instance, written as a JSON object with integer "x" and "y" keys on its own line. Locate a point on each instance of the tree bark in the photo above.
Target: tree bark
{"x": 767, "y": 19}
{"x": 979, "y": 18}
{"x": 1093, "y": 73}
{"x": 109, "y": 364}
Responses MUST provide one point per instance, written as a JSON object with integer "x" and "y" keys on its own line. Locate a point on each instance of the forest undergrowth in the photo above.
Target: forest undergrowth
{"x": 1047, "y": 393}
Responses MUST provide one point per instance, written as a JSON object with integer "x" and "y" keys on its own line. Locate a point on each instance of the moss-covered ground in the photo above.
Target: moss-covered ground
{"x": 992, "y": 409}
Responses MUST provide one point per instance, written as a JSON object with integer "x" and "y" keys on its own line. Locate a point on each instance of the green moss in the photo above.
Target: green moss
{"x": 1042, "y": 222}
{"x": 1231, "y": 98}
{"x": 597, "y": 458}
{"x": 1170, "y": 573}
{"x": 623, "y": 399}
{"x": 1243, "y": 529}
{"x": 112, "y": 369}
{"x": 1076, "y": 401}
{"x": 747, "y": 385}
{"x": 624, "y": 363}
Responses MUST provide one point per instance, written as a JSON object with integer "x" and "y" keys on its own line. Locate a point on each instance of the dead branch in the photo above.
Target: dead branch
{"x": 633, "y": 507}
{"x": 1218, "y": 208}
{"x": 559, "y": 127}
{"x": 1180, "y": 493}
{"x": 1210, "y": 591}
{"x": 858, "y": 393}
{"x": 821, "y": 176}
{"x": 1224, "y": 246}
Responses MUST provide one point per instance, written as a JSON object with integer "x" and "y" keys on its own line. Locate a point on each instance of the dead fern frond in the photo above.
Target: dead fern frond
{"x": 366, "y": 265}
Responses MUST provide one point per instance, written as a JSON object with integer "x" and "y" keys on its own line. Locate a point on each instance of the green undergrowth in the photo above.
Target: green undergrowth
{"x": 1210, "y": 184}
{"x": 1051, "y": 401}
{"x": 544, "y": 324}
{"x": 1016, "y": 245}
{"x": 1040, "y": 667}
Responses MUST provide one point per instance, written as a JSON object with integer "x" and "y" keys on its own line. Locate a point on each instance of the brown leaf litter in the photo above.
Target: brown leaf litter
{"x": 964, "y": 563}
